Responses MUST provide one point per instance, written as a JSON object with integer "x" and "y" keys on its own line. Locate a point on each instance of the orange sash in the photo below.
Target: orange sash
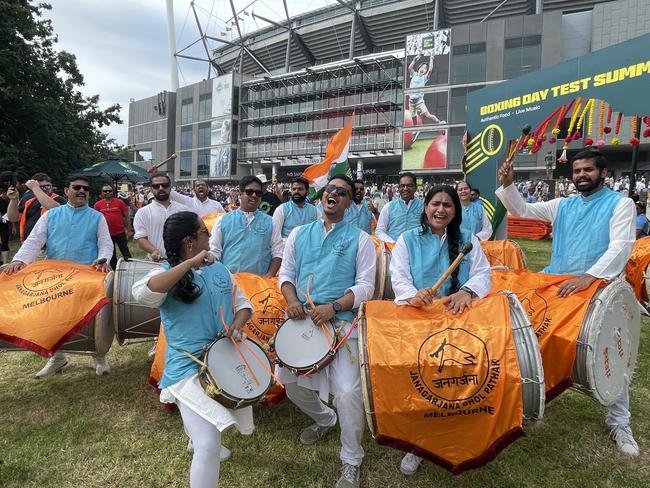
{"x": 636, "y": 266}
{"x": 504, "y": 253}
{"x": 556, "y": 320}
{"x": 444, "y": 386}
{"x": 48, "y": 302}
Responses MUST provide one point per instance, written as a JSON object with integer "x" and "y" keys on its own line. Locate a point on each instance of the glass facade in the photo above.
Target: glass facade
{"x": 205, "y": 106}
{"x": 468, "y": 63}
{"x": 186, "y": 165}
{"x": 522, "y": 55}
{"x": 186, "y": 111}
{"x": 203, "y": 163}
{"x": 186, "y": 138}
{"x": 204, "y": 135}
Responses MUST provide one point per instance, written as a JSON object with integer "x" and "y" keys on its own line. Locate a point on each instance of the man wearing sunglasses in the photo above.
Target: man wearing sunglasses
{"x": 400, "y": 214}
{"x": 150, "y": 219}
{"x": 330, "y": 264}
{"x": 27, "y": 209}
{"x": 361, "y": 212}
{"x": 297, "y": 211}
{"x": 244, "y": 240}
{"x": 73, "y": 232}
{"x": 116, "y": 213}
{"x": 200, "y": 203}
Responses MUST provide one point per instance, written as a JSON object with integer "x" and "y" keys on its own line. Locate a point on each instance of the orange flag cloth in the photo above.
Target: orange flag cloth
{"x": 504, "y": 253}
{"x": 46, "y": 303}
{"x": 556, "y": 320}
{"x": 211, "y": 218}
{"x": 636, "y": 266}
{"x": 444, "y": 386}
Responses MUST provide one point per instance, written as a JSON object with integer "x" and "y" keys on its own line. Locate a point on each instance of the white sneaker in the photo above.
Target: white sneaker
{"x": 101, "y": 365}
{"x": 224, "y": 454}
{"x": 410, "y": 464}
{"x": 350, "y": 476}
{"x": 55, "y": 364}
{"x": 622, "y": 435}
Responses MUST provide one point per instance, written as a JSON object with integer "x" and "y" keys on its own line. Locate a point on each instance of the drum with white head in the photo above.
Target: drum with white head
{"x": 303, "y": 347}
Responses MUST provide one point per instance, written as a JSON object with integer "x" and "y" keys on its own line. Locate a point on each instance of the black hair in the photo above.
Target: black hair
{"x": 247, "y": 180}
{"x": 601, "y": 161}
{"x": 75, "y": 178}
{"x": 41, "y": 177}
{"x": 478, "y": 192}
{"x": 359, "y": 181}
{"x": 302, "y": 181}
{"x": 453, "y": 227}
{"x": 408, "y": 174}
{"x": 177, "y": 227}
{"x": 344, "y": 177}
{"x": 160, "y": 175}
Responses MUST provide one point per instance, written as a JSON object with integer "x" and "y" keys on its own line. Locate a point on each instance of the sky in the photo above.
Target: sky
{"x": 122, "y": 49}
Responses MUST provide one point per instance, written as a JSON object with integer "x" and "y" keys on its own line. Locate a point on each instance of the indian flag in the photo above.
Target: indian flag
{"x": 335, "y": 162}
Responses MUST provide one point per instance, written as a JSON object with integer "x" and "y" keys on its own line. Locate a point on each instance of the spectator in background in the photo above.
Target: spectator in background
{"x": 200, "y": 204}
{"x": 116, "y": 213}
{"x": 270, "y": 201}
{"x": 5, "y": 228}
{"x": 475, "y": 196}
{"x": 641, "y": 221}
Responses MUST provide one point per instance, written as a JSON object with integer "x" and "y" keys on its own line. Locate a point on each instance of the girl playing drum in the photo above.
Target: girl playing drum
{"x": 421, "y": 256}
{"x": 195, "y": 297}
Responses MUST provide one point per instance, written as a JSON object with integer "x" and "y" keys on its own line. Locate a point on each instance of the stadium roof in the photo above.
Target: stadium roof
{"x": 323, "y": 35}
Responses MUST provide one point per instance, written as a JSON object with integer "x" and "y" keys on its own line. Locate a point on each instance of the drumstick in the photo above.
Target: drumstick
{"x": 262, "y": 363}
{"x": 467, "y": 248}
{"x": 156, "y": 166}
{"x": 223, "y": 321}
{"x": 313, "y": 305}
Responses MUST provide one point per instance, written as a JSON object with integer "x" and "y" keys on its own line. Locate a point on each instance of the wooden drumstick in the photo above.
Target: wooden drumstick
{"x": 467, "y": 248}
{"x": 156, "y": 166}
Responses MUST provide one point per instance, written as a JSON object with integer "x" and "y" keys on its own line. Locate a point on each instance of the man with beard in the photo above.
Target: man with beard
{"x": 401, "y": 214}
{"x": 201, "y": 203}
{"x": 149, "y": 220}
{"x": 245, "y": 239}
{"x": 296, "y": 211}
{"x": 73, "y": 232}
{"x": 334, "y": 262}
{"x": 361, "y": 212}
{"x": 593, "y": 236}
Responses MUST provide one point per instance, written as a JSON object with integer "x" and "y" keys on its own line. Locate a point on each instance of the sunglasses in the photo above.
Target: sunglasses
{"x": 85, "y": 188}
{"x": 45, "y": 187}
{"x": 342, "y": 192}
{"x": 158, "y": 186}
{"x": 250, "y": 192}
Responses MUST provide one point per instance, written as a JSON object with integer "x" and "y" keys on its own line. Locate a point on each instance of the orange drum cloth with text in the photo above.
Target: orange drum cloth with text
{"x": 636, "y": 266}
{"x": 444, "y": 386}
{"x": 504, "y": 253}
{"x": 48, "y": 302}
{"x": 556, "y": 320}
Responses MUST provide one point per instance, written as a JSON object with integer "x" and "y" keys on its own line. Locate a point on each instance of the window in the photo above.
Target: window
{"x": 458, "y": 107}
{"x": 186, "y": 111}
{"x": 455, "y": 147}
{"x": 186, "y": 138}
{"x": 205, "y": 106}
{"x": 468, "y": 63}
{"x": 203, "y": 164}
{"x": 186, "y": 165}
{"x": 204, "y": 135}
{"x": 522, "y": 55}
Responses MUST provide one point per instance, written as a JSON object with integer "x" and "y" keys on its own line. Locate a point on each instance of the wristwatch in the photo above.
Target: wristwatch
{"x": 337, "y": 307}
{"x": 471, "y": 293}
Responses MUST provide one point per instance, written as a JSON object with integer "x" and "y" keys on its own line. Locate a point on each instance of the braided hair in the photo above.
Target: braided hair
{"x": 453, "y": 227}
{"x": 176, "y": 228}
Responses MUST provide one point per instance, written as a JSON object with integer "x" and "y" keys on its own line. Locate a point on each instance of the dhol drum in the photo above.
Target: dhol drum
{"x": 637, "y": 269}
{"x": 589, "y": 339}
{"x": 235, "y": 376}
{"x": 504, "y": 254}
{"x": 95, "y": 338}
{"x": 383, "y": 285}
{"x": 133, "y": 322}
{"x": 303, "y": 347}
{"x": 452, "y": 388}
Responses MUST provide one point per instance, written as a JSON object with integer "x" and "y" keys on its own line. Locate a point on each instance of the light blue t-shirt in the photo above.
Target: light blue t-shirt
{"x": 642, "y": 223}
{"x": 418, "y": 81}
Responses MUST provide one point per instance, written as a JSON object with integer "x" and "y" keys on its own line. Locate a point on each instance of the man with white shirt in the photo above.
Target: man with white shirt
{"x": 245, "y": 240}
{"x": 72, "y": 232}
{"x": 200, "y": 203}
{"x": 593, "y": 236}
{"x": 335, "y": 262}
{"x": 150, "y": 219}
{"x": 400, "y": 214}
{"x": 297, "y": 211}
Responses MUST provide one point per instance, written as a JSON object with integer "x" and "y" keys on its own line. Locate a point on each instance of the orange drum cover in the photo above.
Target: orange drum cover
{"x": 556, "y": 320}
{"x": 48, "y": 302}
{"x": 636, "y": 266}
{"x": 159, "y": 359}
{"x": 211, "y": 218}
{"x": 444, "y": 386}
{"x": 504, "y": 253}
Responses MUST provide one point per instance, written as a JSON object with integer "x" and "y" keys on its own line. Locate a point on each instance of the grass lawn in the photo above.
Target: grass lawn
{"x": 80, "y": 430}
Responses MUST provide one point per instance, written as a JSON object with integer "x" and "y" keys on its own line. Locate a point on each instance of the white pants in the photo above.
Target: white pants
{"x": 618, "y": 413}
{"x": 345, "y": 384}
{"x": 206, "y": 439}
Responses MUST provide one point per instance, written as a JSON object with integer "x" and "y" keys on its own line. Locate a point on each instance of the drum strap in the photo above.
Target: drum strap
{"x": 206, "y": 368}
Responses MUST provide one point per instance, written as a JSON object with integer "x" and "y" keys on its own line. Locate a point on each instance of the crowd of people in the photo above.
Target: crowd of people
{"x": 325, "y": 262}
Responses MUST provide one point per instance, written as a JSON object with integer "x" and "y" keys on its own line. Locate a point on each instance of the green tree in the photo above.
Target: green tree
{"x": 46, "y": 124}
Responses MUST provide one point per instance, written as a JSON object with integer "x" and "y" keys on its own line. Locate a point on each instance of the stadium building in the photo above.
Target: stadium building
{"x": 401, "y": 68}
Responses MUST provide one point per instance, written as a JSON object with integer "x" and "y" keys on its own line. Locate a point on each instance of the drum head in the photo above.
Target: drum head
{"x": 300, "y": 344}
{"x": 608, "y": 343}
{"x": 132, "y": 321}
{"x": 530, "y": 360}
{"x": 233, "y": 374}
